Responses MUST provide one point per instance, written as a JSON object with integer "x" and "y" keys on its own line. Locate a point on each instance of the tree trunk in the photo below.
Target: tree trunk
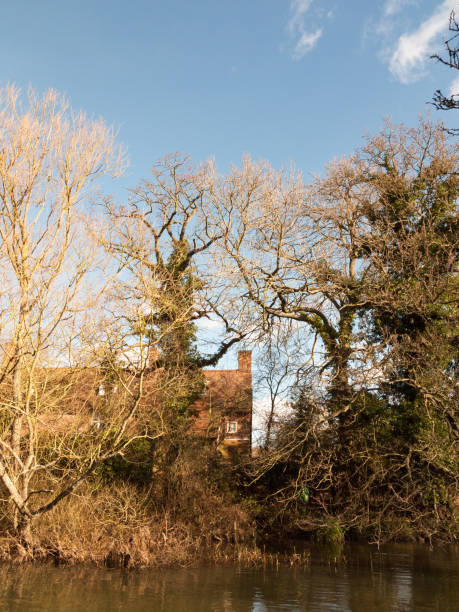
{"x": 17, "y": 401}
{"x": 24, "y": 539}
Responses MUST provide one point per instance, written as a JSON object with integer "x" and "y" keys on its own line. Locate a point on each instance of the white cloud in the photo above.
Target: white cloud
{"x": 392, "y": 7}
{"x": 298, "y": 8}
{"x": 210, "y": 325}
{"x": 306, "y": 42}
{"x": 412, "y": 50}
{"x": 302, "y": 37}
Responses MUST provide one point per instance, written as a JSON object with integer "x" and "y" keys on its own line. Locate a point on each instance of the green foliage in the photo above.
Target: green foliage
{"x": 171, "y": 330}
{"x": 170, "y": 326}
{"x": 135, "y": 465}
{"x": 331, "y": 533}
{"x": 387, "y": 444}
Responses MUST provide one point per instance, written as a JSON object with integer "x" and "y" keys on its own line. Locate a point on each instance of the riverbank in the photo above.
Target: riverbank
{"x": 204, "y": 513}
{"x": 90, "y": 532}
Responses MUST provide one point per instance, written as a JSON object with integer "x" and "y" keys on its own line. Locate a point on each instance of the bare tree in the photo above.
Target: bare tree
{"x": 163, "y": 242}
{"x": 49, "y": 158}
{"x": 294, "y": 253}
{"x": 283, "y": 362}
{"x": 164, "y": 248}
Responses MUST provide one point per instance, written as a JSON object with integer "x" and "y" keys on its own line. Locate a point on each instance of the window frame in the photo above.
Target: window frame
{"x": 232, "y": 427}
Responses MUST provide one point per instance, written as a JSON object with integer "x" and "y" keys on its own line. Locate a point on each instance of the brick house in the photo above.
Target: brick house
{"x": 223, "y": 413}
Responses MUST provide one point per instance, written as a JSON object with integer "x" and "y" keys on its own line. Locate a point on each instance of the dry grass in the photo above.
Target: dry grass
{"x": 115, "y": 526}
{"x": 119, "y": 526}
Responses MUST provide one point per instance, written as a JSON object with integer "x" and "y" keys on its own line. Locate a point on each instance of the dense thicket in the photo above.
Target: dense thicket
{"x": 348, "y": 285}
{"x": 378, "y": 449}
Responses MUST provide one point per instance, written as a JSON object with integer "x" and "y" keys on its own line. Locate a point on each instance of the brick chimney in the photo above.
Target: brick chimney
{"x": 244, "y": 359}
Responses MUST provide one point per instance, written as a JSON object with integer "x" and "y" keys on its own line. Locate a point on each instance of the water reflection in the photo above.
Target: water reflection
{"x": 400, "y": 578}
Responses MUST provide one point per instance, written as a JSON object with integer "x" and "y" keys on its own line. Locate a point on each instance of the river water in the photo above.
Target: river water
{"x": 362, "y": 579}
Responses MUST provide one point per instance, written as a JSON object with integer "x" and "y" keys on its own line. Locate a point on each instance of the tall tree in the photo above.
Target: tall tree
{"x": 164, "y": 248}
{"x": 377, "y": 234}
{"x": 293, "y": 253}
{"x": 413, "y": 247}
{"x": 49, "y": 157}
{"x": 162, "y": 241}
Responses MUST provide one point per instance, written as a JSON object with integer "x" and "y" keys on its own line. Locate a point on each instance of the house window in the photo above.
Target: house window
{"x": 231, "y": 427}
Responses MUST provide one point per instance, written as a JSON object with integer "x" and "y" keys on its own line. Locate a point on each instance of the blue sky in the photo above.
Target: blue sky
{"x": 287, "y": 80}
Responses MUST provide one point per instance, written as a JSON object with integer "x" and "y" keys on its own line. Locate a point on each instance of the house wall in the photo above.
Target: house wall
{"x": 227, "y": 400}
